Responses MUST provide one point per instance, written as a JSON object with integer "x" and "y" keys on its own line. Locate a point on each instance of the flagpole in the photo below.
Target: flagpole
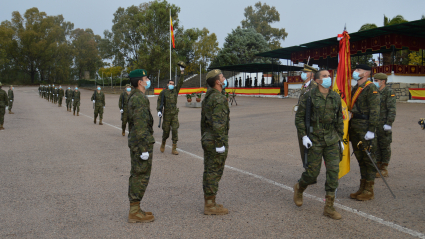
{"x": 170, "y": 43}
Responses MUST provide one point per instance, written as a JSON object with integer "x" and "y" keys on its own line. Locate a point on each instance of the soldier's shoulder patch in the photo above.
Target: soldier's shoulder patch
{"x": 375, "y": 92}
{"x": 392, "y": 95}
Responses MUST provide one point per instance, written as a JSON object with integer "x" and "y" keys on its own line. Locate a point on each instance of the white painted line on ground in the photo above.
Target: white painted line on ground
{"x": 348, "y": 209}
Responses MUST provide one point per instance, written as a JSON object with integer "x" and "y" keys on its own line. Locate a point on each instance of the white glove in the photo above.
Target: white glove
{"x": 7, "y": 107}
{"x": 295, "y": 108}
{"x": 307, "y": 142}
{"x": 387, "y": 127}
{"x": 10, "y": 100}
{"x": 181, "y": 68}
{"x": 342, "y": 146}
{"x": 159, "y": 114}
{"x": 104, "y": 107}
{"x": 220, "y": 150}
{"x": 94, "y": 101}
{"x": 57, "y": 94}
{"x": 144, "y": 156}
{"x": 121, "y": 111}
{"x": 369, "y": 135}
{"x": 65, "y": 98}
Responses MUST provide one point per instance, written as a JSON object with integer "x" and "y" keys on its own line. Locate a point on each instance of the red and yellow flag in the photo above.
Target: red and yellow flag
{"x": 342, "y": 85}
{"x": 172, "y": 32}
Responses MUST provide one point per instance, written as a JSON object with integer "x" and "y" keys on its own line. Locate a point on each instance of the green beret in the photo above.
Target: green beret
{"x": 308, "y": 68}
{"x": 213, "y": 73}
{"x": 380, "y": 76}
{"x": 128, "y": 85}
{"x": 138, "y": 73}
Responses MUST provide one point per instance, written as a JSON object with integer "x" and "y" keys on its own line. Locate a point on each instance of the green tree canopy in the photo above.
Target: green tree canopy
{"x": 85, "y": 51}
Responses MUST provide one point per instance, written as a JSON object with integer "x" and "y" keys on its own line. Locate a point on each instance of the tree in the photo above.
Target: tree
{"x": 259, "y": 18}
{"x": 416, "y": 57}
{"x": 240, "y": 47}
{"x": 204, "y": 51}
{"x": 85, "y": 51}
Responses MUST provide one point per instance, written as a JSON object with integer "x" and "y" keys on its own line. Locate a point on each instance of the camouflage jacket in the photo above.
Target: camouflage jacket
{"x": 4, "y": 100}
{"x": 170, "y": 98}
{"x": 140, "y": 122}
{"x": 367, "y": 103}
{"x": 215, "y": 117}
{"x": 76, "y": 95}
{"x": 124, "y": 96}
{"x": 68, "y": 94}
{"x": 326, "y": 117}
{"x": 304, "y": 89}
{"x": 10, "y": 94}
{"x": 99, "y": 97}
{"x": 60, "y": 92}
{"x": 388, "y": 106}
{"x": 55, "y": 92}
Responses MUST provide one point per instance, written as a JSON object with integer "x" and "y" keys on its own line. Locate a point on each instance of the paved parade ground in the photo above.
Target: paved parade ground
{"x": 61, "y": 176}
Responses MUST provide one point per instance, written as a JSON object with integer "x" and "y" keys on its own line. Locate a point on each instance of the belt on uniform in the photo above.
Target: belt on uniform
{"x": 359, "y": 116}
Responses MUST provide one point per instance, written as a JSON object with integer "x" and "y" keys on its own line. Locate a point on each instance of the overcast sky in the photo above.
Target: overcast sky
{"x": 304, "y": 20}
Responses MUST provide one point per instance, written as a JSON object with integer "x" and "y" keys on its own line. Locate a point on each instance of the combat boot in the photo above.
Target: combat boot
{"x": 94, "y": 120}
{"x": 137, "y": 215}
{"x": 78, "y": 113}
{"x": 10, "y": 112}
{"x": 384, "y": 169}
{"x": 162, "y": 148}
{"x": 1, "y": 127}
{"x": 211, "y": 208}
{"x": 100, "y": 122}
{"x": 174, "y": 150}
{"x": 379, "y": 166}
{"x": 74, "y": 112}
{"x": 123, "y": 132}
{"x": 298, "y": 194}
{"x": 367, "y": 193}
{"x": 361, "y": 188}
{"x": 329, "y": 210}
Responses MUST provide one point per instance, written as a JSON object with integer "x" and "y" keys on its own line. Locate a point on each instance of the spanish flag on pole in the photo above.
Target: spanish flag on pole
{"x": 342, "y": 85}
{"x": 172, "y": 32}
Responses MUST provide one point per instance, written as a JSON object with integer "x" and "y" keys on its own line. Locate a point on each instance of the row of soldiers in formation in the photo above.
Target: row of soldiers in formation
{"x": 248, "y": 82}
{"x": 373, "y": 111}
{"x": 6, "y": 103}
{"x": 55, "y": 95}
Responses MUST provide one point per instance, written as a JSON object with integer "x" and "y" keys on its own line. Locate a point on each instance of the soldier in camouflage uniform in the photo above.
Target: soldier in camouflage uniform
{"x": 52, "y": 92}
{"x": 386, "y": 119}
{"x": 4, "y": 101}
{"x": 98, "y": 99}
{"x": 365, "y": 109}
{"x": 11, "y": 98}
{"x": 76, "y": 100}
{"x": 308, "y": 77}
{"x": 55, "y": 95}
{"x": 47, "y": 93}
{"x": 171, "y": 112}
{"x": 39, "y": 90}
{"x": 140, "y": 142}
{"x": 122, "y": 104}
{"x": 68, "y": 99}
{"x": 324, "y": 140}
{"x": 60, "y": 96}
{"x": 215, "y": 140}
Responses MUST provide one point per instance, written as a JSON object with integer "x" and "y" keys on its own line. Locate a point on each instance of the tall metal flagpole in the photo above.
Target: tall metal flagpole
{"x": 170, "y": 43}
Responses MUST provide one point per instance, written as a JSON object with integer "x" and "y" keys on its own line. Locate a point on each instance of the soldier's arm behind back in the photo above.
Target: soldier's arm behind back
{"x": 391, "y": 107}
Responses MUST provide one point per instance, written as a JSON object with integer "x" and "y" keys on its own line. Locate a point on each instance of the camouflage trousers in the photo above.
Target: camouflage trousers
{"x": 68, "y": 103}
{"x": 55, "y": 99}
{"x": 51, "y": 98}
{"x": 330, "y": 155}
{"x": 139, "y": 175}
{"x": 124, "y": 120}
{"x": 300, "y": 143}
{"x": 170, "y": 121}
{"x": 98, "y": 110}
{"x": 383, "y": 151}
{"x": 213, "y": 167}
{"x": 77, "y": 106}
{"x": 2, "y": 111}
{"x": 367, "y": 170}
{"x": 10, "y": 105}
{"x": 60, "y": 101}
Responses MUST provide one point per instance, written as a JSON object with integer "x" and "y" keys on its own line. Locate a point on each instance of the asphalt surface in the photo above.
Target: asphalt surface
{"x": 61, "y": 176}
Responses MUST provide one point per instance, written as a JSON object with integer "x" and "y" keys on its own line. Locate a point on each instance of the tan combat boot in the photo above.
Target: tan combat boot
{"x": 94, "y": 120}
{"x": 162, "y": 148}
{"x": 384, "y": 169}
{"x": 123, "y": 132}
{"x": 78, "y": 113}
{"x": 1, "y": 127}
{"x": 100, "y": 122}
{"x": 379, "y": 166}
{"x": 174, "y": 150}
{"x": 10, "y": 112}
{"x": 361, "y": 188}
{"x": 329, "y": 210}
{"x": 211, "y": 208}
{"x": 367, "y": 193}
{"x": 74, "y": 112}
{"x": 298, "y": 194}
{"x": 137, "y": 215}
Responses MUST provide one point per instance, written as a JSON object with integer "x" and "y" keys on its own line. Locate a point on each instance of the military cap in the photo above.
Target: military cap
{"x": 364, "y": 67}
{"x": 380, "y": 76}
{"x": 213, "y": 73}
{"x": 138, "y": 73}
{"x": 11, "y": 86}
{"x": 308, "y": 68}
{"x": 181, "y": 64}
{"x": 127, "y": 85}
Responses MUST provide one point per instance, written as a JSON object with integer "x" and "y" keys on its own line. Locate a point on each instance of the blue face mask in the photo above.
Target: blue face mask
{"x": 171, "y": 87}
{"x": 356, "y": 75}
{"x": 377, "y": 84}
{"x": 69, "y": 88}
{"x": 76, "y": 88}
{"x": 98, "y": 88}
{"x": 304, "y": 76}
{"x": 148, "y": 85}
{"x": 225, "y": 84}
{"x": 327, "y": 82}
{"x": 60, "y": 87}
{"x": 128, "y": 89}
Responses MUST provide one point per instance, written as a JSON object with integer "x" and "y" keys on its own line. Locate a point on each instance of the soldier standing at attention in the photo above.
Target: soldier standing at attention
{"x": 365, "y": 108}
{"x": 52, "y": 92}
{"x": 55, "y": 95}
{"x": 48, "y": 93}
{"x": 171, "y": 112}
{"x": 215, "y": 140}
{"x": 309, "y": 84}
{"x": 39, "y": 90}
{"x": 76, "y": 100}
{"x": 60, "y": 96}
{"x": 11, "y": 98}
{"x": 4, "y": 101}
{"x": 386, "y": 119}
{"x": 140, "y": 142}
{"x": 324, "y": 141}
{"x": 98, "y": 99}
{"x": 122, "y": 104}
{"x": 68, "y": 99}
